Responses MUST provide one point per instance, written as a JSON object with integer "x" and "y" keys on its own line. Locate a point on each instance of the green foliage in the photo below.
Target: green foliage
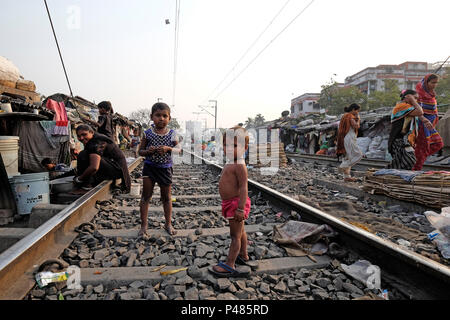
{"x": 386, "y": 98}
{"x": 334, "y": 99}
{"x": 173, "y": 124}
{"x": 259, "y": 119}
{"x": 443, "y": 88}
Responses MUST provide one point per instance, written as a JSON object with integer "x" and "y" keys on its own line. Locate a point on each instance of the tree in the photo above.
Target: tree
{"x": 443, "y": 88}
{"x": 249, "y": 122}
{"x": 173, "y": 124}
{"x": 334, "y": 98}
{"x": 259, "y": 120}
{"x": 386, "y": 98}
{"x": 142, "y": 116}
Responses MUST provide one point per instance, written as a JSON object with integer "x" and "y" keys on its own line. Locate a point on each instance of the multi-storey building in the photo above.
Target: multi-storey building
{"x": 372, "y": 79}
{"x": 304, "y": 104}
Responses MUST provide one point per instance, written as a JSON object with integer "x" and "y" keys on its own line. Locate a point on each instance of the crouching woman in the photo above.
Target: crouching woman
{"x": 100, "y": 160}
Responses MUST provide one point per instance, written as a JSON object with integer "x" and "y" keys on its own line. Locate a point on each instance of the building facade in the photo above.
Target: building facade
{"x": 305, "y": 104}
{"x": 406, "y": 74}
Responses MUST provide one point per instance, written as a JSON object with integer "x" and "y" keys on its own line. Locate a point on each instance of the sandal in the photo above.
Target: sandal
{"x": 252, "y": 264}
{"x": 230, "y": 271}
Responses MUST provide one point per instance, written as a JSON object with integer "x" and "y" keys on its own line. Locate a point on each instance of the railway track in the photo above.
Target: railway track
{"x": 115, "y": 264}
{"x": 363, "y": 164}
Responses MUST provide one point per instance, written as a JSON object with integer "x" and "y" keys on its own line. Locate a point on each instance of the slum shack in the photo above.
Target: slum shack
{"x": 34, "y": 128}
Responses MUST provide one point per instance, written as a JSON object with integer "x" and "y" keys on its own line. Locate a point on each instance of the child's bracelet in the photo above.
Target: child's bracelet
{"x": 240, "y": 210}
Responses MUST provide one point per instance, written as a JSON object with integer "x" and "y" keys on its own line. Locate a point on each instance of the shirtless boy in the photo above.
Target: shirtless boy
{"x": 233, "y": 190}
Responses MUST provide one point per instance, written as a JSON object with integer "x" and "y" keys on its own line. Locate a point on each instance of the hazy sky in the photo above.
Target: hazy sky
{"x": 122, "y": 50}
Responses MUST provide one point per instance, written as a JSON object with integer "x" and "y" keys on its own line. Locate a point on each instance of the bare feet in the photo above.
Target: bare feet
{"x": 143, "y": 232}
{"x": 170, "y": 230}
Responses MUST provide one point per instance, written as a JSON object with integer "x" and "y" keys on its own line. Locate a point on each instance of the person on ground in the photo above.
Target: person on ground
{"x": 100, "y": 160}
{"x": 404, "y": 120}
{"x": 428, "y": 140}
{"x": 55, "y": 170}
{"x": 346, "y": 141}
{"x": 233, "y": 189}
{"x": 157, "y": 146}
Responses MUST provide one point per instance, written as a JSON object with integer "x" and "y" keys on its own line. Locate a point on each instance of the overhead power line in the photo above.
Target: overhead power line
{"x": 249, "y": 48}
{"x": 59, "y": 50}
{"x": 260, "y": 52}
{"x": 175, "y": 51}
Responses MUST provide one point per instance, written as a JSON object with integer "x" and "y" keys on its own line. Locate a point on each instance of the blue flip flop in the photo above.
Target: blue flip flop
{"x": 231, "y": 272}
{"x": 241, "y": 261}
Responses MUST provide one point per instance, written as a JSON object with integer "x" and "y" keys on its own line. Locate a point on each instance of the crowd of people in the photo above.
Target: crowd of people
{"x": 413, "y": 137}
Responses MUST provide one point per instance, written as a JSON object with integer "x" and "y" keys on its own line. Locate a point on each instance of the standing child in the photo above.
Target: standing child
{"x": 135, "y": 141}
{"x": 233, "y": 190}
{"x": 157, "y": 146}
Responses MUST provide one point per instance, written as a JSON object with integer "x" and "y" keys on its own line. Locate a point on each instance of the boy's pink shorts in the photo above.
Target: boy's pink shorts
{"x": 230, "y": 206}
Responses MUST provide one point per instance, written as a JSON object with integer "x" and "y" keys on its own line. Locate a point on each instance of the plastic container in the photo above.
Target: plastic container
{"x": 6, "y": 107}
{"x": 135, "y": 189}
{"x": 9, "y": 149}
{"x": 29, "y": 190}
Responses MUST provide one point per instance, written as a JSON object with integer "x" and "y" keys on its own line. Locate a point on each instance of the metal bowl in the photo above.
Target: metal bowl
{"x": 62, "y": 185}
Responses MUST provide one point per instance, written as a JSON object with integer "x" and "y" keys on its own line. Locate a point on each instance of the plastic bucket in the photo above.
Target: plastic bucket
{"x": 9, "y": 149}
{"x": 135, "y": 189}
{"x": 29, "y": 190}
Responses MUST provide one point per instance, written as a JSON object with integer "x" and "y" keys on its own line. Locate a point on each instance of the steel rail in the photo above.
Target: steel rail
{"x": 375, "y": 163}
{"x": 18, "y": 263}
{"x": 414, "y": 275}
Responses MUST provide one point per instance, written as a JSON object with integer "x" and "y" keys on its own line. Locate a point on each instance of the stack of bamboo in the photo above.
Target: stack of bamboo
{"x": 264, "y": 155}
{"x": 431, "y": 188}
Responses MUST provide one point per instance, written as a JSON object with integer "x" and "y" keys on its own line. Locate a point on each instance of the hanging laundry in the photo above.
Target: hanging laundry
{"x": 60, "y": 117}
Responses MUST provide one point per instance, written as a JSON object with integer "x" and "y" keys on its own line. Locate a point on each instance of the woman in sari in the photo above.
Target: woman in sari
{"x": 346, "y": 141}
{"x": 428, "y": 140}
{"x": 404, "y": 120}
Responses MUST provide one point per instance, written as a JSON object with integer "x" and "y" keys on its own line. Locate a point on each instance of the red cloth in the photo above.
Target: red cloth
{"x": 60, "y": 112}
{"x": 423, "y": 149}
{"x": 230, "y": 206}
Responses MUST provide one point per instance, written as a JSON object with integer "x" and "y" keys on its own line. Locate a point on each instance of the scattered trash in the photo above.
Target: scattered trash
{"x": 302, "y": 238}
{"x": 384, "y": 294}
{"x": 46, "y": 277}
{"x": 279, "y": 214}
{"x": 361, "y": 226}
{"x": 404, "y": 243}
{"x": 441, "y": 242}
{"x": 382, "y": 203}
{"x": 165, "y": 273}
{"x": 441, "y": 236}
{"x": 60, "y": 297}
{"x": 158, "y": 268}
{"x": 364, "y": 271}
{"x": 259, "y": 234}
{"x": 98, "y": 272}
{"x": 174, "y": 199}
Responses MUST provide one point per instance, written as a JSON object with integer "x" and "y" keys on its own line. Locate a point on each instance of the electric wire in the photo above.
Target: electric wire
{"x": 175, "y": 54}
{"x": 250, "y": 47}
{"x": 260, "y": 52}
{"x": 59, "y": 50}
